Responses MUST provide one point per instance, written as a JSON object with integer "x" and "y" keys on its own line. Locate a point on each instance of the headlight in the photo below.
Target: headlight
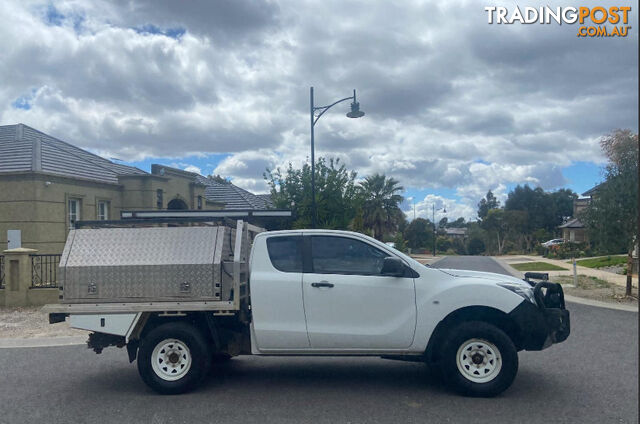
{"x": 519, "y": 289}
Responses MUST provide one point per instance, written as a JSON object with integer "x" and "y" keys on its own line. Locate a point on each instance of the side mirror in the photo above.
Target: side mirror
{"x": 392, "y": 267}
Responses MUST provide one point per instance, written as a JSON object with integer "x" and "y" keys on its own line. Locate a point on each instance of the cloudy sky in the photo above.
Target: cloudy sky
{"x": 454, "y": 106}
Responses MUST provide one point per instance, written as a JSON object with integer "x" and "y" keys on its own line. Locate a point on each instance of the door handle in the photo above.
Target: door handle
{"x": 322, "y": 284}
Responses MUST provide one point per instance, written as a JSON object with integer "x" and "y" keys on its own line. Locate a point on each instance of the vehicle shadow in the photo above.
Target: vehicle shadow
{"x": 317, "y": 375}
{"x": 322, "y": 372}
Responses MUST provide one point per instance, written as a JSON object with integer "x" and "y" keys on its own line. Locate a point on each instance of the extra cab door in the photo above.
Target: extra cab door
{"x": 276, "y": 294}
{"x": 348, "y": 304}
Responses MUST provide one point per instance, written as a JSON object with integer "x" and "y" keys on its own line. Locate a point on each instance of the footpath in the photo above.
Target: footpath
{"x": 609, "y": 294}
{"x": 618, "y": 279}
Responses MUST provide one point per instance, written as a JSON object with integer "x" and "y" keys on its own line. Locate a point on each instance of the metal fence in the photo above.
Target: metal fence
{"x": 44, "y": 271}
{"x": 1, "y": 271}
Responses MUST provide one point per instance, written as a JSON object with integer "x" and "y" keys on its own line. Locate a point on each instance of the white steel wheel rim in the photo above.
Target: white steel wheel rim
{"x": 478, "y": 360}
{"x": 171, "y": 359}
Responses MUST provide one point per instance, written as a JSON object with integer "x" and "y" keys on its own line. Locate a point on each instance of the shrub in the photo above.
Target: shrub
{"x": 567, "y": 250}
{"x": 476, "y": 246}
{"x": 443, "y": 244}
{"x": 541, "y": 250}
{"x": 459, "y": 247}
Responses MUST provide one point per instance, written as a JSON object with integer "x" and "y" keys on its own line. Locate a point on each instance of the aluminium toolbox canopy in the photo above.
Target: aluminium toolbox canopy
{"x": 146, "y": 264}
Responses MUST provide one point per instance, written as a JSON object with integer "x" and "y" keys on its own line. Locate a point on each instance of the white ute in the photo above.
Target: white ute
{"x": 302, "y": 292}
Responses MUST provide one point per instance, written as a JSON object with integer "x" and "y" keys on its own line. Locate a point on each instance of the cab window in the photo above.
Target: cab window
{"x": 285, "y": 253}
{"x": 344, "y": 255}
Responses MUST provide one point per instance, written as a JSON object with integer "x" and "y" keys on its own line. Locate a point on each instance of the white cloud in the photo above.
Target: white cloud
{"x": 440, "y": 207}
{"x": 450, "y": 101}
{"x": 193, "y": 168}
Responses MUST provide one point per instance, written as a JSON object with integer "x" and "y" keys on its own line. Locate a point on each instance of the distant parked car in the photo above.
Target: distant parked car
{"x": 552, "y": 242}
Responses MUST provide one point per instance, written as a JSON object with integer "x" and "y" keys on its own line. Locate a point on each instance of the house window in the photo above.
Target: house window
{"x": 103, "y": 210}
{"x": 199, "y": 202}
{"x": 159, "y": 199}
{"x": 74, "y": 211}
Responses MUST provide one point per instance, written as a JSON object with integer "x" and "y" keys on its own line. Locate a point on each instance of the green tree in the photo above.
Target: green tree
{"x": 337, "y": 195}
{"x": 381, "y": 204}
{"x": 443, "y": 244}
{"x": 496, "y": 225}
{"x": 517, "y": 223}
{"x": 419, "y": 233}
{"x": 478, "y": 239}
{"x": 538, "y": 210}
{"x": 546, "y": 210}
{"x": 563, "y": 204}
{"x": 458, "y": 223}
{"x": 485, "y": 205}
{"x": 475, "y": 246}
{"x": 398, "y": 240}
{"x": 613, "y": 212}
{"x": 534, "y": 201}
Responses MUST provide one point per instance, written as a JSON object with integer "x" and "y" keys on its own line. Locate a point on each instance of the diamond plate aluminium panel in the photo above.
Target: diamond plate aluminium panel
{"x": 143, "y": 246}
{"x": 141, "y": 264}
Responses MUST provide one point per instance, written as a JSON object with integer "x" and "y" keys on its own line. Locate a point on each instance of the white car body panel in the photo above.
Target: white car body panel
{"x": 276, "y": 303}
{"x": 438, "y": 298}
{"x": 116, "y": 324}
{"x": 357, "y": 315}
{"x": 360, "y": 312}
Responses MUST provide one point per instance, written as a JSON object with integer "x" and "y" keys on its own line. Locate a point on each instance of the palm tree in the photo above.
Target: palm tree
{"x": 380, "y": 207}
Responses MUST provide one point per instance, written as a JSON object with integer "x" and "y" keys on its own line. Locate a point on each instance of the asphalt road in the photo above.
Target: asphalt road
{"x": 591, "y": 378}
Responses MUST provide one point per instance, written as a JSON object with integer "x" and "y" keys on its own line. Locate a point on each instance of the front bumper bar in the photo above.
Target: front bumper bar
{"x": 545, "y": 323}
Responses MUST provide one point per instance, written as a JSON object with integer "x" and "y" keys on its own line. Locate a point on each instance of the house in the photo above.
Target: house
{"x": 47, "y": 184}
{"x": 573, "y": 229}
{"x": 232, "y": 196}
{"x": 456, "y": 233}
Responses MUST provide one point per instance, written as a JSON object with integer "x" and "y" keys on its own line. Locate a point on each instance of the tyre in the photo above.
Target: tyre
{"x": 173, "y": 358}
{"x": 478, "y": 359}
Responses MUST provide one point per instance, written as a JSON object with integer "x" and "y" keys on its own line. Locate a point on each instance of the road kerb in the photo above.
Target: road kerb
{"x": 42, "y": 342}
{"x": 507, "y": 268}
{"x": 616, "y": 306}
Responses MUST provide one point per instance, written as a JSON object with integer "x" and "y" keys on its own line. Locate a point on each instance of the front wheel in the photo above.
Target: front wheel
{"x": 479, "y": 359}
{"x": 173, "y": 358}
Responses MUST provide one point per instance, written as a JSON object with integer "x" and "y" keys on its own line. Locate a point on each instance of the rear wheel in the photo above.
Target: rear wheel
{"x": 479, "y": 359}
{"x": 173, "y": 358}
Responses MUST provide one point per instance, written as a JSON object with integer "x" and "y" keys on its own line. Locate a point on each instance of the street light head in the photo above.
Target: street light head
{"x": 355, "y": 111}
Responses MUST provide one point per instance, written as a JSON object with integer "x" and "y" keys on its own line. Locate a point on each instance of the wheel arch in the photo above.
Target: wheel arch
{"x": 202, "y": 321}
{"x": 486, "y": 314}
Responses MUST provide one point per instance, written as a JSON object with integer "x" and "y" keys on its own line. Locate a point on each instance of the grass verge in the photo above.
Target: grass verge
{"x": 603, "y": 261}
{"x": 585, "y": 282}
{"x": 537, "y": 266}
{"x": 596, "y": 289}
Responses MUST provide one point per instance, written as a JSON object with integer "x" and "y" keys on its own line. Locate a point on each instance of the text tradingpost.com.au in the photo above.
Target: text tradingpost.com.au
{"x": 594, "y": 21}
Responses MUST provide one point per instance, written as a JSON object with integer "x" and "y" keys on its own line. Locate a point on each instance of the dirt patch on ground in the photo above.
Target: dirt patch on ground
{"x": 29, "y": 322}
{"x": 596, "y": 289}
{"x": 615, "y": 269}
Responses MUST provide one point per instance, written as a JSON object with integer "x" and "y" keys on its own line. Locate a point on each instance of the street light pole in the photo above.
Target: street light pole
{"x": 435, "y": 231}
{"x": 355, "y": 113}
{"x": 313, "y": 164}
